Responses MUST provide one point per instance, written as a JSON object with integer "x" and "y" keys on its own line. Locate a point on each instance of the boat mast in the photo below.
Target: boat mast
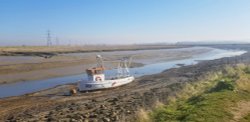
{"x": 119, "y": 70}
{"x": 122, "y": 68}
{"x": 99, "y": 61}
{"x": 126, "y": 67}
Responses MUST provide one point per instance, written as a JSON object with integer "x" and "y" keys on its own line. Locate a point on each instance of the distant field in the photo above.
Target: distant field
{"x": 44, "y": 50}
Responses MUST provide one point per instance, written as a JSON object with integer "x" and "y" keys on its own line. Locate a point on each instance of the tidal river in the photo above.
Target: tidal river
{"x": 21, "y": 88}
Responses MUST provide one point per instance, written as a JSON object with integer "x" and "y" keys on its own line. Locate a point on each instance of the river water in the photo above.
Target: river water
{"x": 21, "y": 88}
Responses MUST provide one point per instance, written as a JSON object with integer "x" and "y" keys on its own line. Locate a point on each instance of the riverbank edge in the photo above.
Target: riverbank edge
{"x": 211, "y": 99}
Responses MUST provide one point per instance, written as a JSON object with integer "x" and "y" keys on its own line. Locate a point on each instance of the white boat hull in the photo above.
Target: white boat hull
{"x": 95, "y": 85}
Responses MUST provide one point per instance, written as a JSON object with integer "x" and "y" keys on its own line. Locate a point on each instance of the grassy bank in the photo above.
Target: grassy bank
{"x": 223, "y": 97}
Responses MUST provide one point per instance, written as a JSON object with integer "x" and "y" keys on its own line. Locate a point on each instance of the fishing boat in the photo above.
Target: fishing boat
{"x": 96, "y": 79}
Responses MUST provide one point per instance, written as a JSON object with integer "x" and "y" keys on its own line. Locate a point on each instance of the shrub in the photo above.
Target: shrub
{"x": 223, "y": 85}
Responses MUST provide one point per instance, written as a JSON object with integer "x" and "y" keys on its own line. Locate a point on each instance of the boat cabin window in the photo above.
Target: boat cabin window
{"x": 94, "y": 71}
{"x": 98, "y": 71}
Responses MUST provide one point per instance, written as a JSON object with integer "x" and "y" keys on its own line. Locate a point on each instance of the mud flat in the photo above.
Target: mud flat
{"x": 26, "y": 68}
{"x": 119, "y": 104}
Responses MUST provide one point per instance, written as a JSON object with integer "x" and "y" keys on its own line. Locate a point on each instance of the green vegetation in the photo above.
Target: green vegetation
{"x": 211, "y": 100}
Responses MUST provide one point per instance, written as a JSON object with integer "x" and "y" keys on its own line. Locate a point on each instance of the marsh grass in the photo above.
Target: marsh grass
{"x": 208, "y": 100}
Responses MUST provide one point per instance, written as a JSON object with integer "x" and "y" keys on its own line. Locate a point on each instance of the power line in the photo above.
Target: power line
{"x": 57, "y": 41}
{"x": 49, "y": 42}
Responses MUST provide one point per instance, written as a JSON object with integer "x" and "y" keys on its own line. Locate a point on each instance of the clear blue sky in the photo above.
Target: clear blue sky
{"x": 123, "y": 21}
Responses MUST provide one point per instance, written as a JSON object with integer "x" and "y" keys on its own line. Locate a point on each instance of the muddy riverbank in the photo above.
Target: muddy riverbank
{"x": 27, "y": 68}
{"x": 119, "y": 104}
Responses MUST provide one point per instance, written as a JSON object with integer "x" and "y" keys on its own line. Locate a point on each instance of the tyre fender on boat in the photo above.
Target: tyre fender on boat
{"x": 98, "y": 78}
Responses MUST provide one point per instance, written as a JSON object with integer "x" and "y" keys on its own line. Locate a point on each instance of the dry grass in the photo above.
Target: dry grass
{"x": 82, "y": 48}
{"x": 143, "y": 116}
{"x": 239, "y": 111}
{"x": 244, "y": 83}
